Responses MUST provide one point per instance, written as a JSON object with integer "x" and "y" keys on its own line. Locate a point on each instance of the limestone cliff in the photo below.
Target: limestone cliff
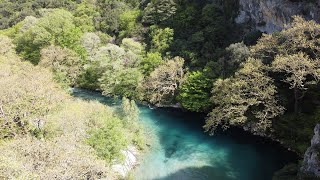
{"x": 272, "y": 15}
{"x": 311, "y": 162}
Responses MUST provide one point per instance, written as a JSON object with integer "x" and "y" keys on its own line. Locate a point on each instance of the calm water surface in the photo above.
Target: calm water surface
{"x": 182, "y": 151}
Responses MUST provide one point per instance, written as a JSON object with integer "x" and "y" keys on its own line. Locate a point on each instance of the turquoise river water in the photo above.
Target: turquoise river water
{"x": 182, "y": 151}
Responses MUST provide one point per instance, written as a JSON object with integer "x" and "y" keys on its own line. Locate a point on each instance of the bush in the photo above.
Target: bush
{"x": 108, "y": 140}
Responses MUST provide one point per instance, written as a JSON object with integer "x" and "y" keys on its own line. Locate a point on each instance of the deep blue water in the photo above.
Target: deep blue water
{"x": 182, "y": 151}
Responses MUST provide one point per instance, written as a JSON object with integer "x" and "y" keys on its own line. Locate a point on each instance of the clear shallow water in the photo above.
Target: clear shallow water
{"x": 182, "y": 151}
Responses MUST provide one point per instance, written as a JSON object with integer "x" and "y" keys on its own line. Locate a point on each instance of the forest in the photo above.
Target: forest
{"x": 185, "y": 53}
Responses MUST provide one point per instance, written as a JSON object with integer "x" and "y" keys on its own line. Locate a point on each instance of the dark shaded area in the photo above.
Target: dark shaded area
{"x": 199, "y": 173}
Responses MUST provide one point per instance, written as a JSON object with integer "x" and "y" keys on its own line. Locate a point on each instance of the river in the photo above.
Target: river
{"x": 181, "y": 150}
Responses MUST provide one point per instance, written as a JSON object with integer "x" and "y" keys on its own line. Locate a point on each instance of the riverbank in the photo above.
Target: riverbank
{"x": 182, "y": 150}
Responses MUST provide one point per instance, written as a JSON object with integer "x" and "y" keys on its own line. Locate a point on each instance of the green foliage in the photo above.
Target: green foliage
{"x": 194, "y": 93}
{"x": 129, "y": 25}
{"x": 293, "y": 56}
{"x": 122, "y": 82}
{"x": 247, "y": 99}
{"x": 302, "y": 36}
{"x": 14, "y": 11}
{"x": 202, "y": 29}
{"x": 295, "y": 131}
{"x": 115, "y": 70}
{"x": 63, "y": 140}
{"x": 108, "y": 19}
{"x": 56, "y": 28}
{"x": 135, "y": 47}
{"x": 158, "y": 11}
{"x": 297, "y": 68}
{"x": 91, "y": 42}
{"x": 108, "y": 140}
{"x": 235, "y": 54}
{"x": 48, "y": 129}
{"x": 65, "y": 64}
{"x": 84, "y": 16}
{"x": 162, "y": 84}
{"x": 151, "y": 62}
{"x": 130, "y": 116}
{"x": 27, "y": 95}
{"x": 161, "y": 39}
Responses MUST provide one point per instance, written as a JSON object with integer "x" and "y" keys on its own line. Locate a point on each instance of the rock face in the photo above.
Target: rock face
{"x": 272, "y": 15}
{"x": 130, "y": 161}
{"x": 311, "y": 162}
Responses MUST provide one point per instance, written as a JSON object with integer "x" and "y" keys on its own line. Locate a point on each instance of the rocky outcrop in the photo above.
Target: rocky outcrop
{"x": 272, "y": 15}
{"x": 311, "y": 162}
{"x": 129, "y": 163}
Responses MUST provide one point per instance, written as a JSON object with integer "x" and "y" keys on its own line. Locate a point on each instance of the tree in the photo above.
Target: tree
{"x": 91, "y": 42}
{"x": 130, "y": 111}
{"x": 125, "y": 82}
{"x": 194, "y": 93}
{"x": 129, "y": 25}
{"x": 56, "y": 27}
{"x": 130, "y": 114}
{"x": 108, "y": 20}
{"x": 84, "y": 16}
{"x": 300, "y": 36}
{"x": 131, "y": 45}
{"x": 299, "y": 71}
{"x": 65, "y": 63}
{"x": 297, "y": 43}
{"x": 163, "y": 82}
{"x": 247, "y": 99}
{"x": 150, "y": 62}
{"x": 103, "y": 58}
{"x": 108, "y": 140}
{"x": 235, "y": 54}
{"x": 161, "y": 39}
{"x": 14, "y": 11}
{"x": 27, "y": 95}
{"x": 158, "y": 11}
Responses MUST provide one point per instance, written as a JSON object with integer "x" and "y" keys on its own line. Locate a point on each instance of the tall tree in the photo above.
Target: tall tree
{"x": 158, "y": 11}
{"x": 299, "y": 71}
{"x": 163, "y": 82}
{"x": 65, "y": 63}
{"x": 55, "y": 27}
{"x": 300, "y": 36}
{"x": 247, "y": 99}
{"x": 161, "y": 39}
{"x": 194, "y": 93}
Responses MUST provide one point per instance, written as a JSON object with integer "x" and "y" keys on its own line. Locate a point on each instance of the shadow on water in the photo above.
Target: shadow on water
{"x": 199, "y": 173}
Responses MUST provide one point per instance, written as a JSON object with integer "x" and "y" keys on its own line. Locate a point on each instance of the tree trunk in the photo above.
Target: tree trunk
{"x": 296, "y": 101}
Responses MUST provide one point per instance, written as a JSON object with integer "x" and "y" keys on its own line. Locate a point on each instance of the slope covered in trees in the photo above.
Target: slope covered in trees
{"x": 165, "y": 52}
{"x": 47, "y": 134}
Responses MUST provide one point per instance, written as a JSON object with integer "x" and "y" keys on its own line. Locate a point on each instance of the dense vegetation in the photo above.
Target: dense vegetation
{"x": 162, "y": 51}
{"x": 47, "y": 134}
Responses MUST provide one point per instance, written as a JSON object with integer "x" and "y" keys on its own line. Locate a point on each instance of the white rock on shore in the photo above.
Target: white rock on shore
{"x": 131, "y": 160}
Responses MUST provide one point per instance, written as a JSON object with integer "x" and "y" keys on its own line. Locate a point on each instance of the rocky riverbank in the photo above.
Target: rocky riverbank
{"x": 311, "y": 162}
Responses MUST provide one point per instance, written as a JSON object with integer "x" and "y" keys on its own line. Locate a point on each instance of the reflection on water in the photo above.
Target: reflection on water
{"x": 181, "y": 151}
